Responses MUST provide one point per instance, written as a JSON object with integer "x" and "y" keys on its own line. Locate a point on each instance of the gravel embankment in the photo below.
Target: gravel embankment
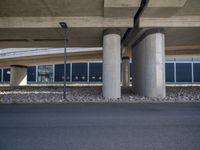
{"x": 90, "y": 94}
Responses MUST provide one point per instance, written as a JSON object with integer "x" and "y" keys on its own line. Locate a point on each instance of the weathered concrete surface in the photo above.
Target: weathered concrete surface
{"x": 174, "y": 51}
{"x": 111, "y": 66}
{"x": 126, "y": 54}
{"x": 178, "y": 21}
{"x": 35, "y": 24}
{"x": 52, "y": 58}
{"x": 18, "y": 76}
{"x": 149, "y": 66}
{"x": 125, "y": 71}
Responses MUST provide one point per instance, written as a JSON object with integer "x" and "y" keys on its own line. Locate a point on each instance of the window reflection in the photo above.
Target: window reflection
{"x": 95, "y": 72}
{"x": 79, "y": 72}
{"x": 31, "y": 73}
{"x": 6, "y": 74}
{"x": 59, "y": 72}
{"x": 45, "y": 73}
{"x": 183, "y": 72}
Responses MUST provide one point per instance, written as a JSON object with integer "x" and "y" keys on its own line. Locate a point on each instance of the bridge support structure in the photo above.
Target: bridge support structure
{"x": 18, "y": 75}
{"x": 111, "y": 63}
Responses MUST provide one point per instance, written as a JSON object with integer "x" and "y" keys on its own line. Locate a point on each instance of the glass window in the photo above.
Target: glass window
{"x": 45, "y": 73}
{"x": 6, "y": 74}
{"x": 95, "y": 72}
{"x": 59, "y": 72}
{"x": 79, "y": 72}
{"x": 183, "y": 72}
{"x": 196, "y": 68}
{"x": 31, "y": 73}
{"x": 169, "y": 72}
{"x": 0, "y": 75}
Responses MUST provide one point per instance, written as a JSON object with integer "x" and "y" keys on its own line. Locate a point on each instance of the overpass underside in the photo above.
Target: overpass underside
{"x": 164, "y": 27}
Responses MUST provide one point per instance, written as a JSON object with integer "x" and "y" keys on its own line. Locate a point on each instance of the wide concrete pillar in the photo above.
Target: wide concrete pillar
{"x": 125, "y": 71}
{"x": 111, "y": 63}
{"x": 18, "y": 75}
{"x": 149, "y": 65}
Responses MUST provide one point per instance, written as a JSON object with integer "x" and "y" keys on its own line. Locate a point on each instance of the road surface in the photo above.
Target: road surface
{"x": 100, "y": 127}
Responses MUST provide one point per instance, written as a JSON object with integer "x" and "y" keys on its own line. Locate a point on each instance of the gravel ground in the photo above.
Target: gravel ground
{"x": 9, "y": 95}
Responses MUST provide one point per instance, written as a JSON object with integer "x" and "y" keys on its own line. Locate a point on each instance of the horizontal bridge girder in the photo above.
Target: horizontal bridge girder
{"x": 178, "y": 21}
{"x": 72, "y": 22}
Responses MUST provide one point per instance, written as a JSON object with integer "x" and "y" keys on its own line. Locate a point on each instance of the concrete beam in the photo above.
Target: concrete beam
{"x": 73, "y": 22}
{"x": 118, "y": 8}
{"x": 182, "y": 52}
{"x": 136, "y": 3}
{"x": 49, "y": 43}
{"x": 51, "y": 59}
{"x": 166, "y": 3}
{"x": 184, "y": 56}
{"x": 183, "y": 47}
{"x": 178, "y": 21}
{"x": 128, "y": 8}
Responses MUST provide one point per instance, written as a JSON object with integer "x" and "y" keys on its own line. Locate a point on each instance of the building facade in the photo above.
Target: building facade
{"x": 177, "y": 71}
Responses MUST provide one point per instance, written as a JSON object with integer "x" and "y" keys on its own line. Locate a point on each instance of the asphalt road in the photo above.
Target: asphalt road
{"x": 100, "y": 127}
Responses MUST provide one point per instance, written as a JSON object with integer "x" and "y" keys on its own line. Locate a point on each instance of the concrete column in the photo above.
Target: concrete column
{"x": 18, "y": 76}
{"x": 125, "y": 72}
{"x": 149, "y": 65}
{"x": 111, "y": 63}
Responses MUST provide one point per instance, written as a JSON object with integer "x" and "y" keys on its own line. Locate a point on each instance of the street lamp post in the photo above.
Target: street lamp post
{"x": 64, "y": 26}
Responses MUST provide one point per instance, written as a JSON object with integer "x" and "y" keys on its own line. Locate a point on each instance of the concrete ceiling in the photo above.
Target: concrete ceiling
{"x": 36, "y": 8}
{"x": 51, "y": 37}
{"x": 34, "y": 23}
{"x": 177, "y": 36}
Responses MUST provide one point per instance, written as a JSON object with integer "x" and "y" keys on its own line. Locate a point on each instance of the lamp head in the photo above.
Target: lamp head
{"x": 63, "y": 24}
